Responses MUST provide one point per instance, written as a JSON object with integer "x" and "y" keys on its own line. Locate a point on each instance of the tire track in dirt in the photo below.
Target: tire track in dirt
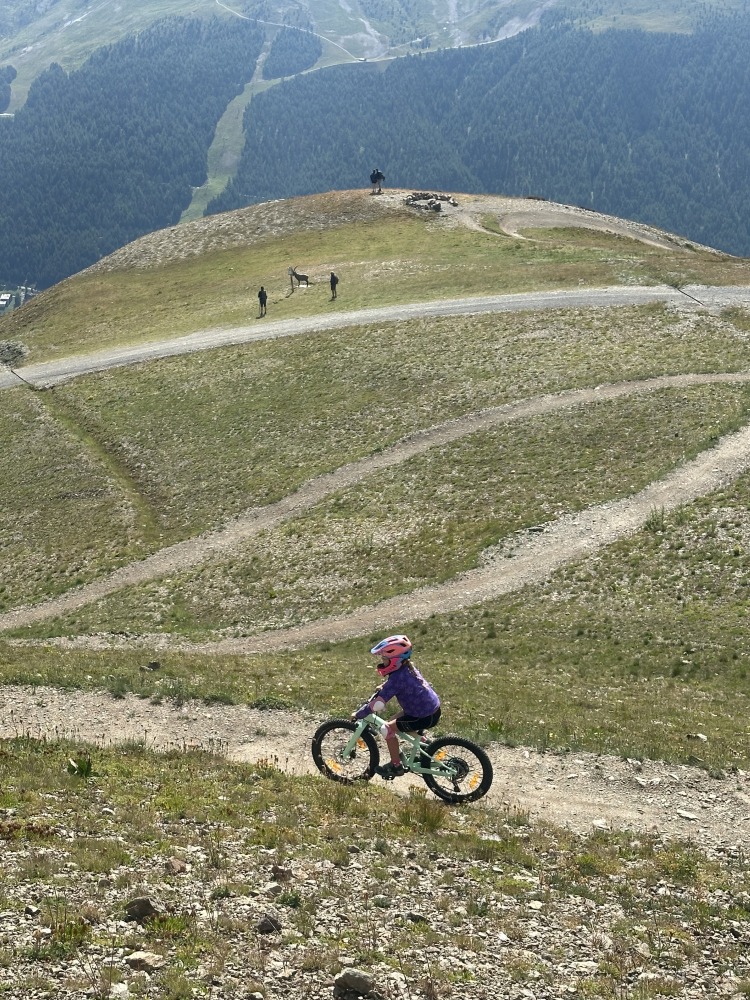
{"x": 567, "y": 539}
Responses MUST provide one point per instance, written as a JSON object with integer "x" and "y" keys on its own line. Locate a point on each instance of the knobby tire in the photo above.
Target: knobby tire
{"x": 474, "y": 770}
{"x": 328, "y": 744}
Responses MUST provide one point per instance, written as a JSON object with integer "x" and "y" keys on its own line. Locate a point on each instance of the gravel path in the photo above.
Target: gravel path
{"x": 49, "y": 373}
{"x": 580, "y": 791}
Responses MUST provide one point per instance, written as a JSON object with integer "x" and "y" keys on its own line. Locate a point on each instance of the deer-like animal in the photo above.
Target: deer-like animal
{"x": 300, "y": 277}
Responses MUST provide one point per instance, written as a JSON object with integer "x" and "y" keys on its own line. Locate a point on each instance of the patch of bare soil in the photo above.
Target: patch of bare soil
{"x": 547, "y": 215}
{"x": 241, "y": 228}
{"x": 515, "y": 216}
{"x": 581, "y": 791}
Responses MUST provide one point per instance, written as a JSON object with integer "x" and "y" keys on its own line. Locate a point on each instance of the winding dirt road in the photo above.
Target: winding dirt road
{"x": 580, "y": 790}
{"x": 50, "y": 373}
{"x": 534, "y": 558}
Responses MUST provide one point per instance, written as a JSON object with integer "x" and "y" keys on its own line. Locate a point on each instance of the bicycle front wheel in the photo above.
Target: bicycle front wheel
{"x": 468, "y": 770}
{"x": 329, "y": 752}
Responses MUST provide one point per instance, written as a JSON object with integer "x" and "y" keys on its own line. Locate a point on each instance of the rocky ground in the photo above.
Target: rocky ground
{"x": 610, "y": 902}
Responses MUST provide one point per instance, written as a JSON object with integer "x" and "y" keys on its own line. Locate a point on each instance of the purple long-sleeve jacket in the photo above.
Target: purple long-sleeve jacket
{"x": 411, "y": 691}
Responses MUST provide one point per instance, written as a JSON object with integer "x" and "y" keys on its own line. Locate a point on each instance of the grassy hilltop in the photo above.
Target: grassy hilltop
{"x": 112, "y": 467}
{"x": 625, "y": 652}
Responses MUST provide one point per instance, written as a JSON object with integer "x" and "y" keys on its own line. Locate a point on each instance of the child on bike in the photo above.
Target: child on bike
{"x": 420, "y": 705}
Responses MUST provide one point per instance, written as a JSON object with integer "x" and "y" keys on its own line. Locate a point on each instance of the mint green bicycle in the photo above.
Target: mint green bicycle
{"x": 455, "y": 769}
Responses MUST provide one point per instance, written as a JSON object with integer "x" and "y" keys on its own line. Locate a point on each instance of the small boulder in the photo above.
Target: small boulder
{"x": 145, "y": 961}
{"x": 353, "y": 981}
{"x": 268, "y": 924}
{"x": 142, "y": 908}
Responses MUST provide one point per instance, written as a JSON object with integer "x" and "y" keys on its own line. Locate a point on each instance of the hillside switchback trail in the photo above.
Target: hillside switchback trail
{"x": 566, "y": 540}
{"x": 533, "y": 559}
{"x": 579, "y": 790}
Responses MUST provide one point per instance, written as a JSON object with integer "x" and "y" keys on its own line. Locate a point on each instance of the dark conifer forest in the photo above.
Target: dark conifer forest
{"x": 7, "y": 76}
{"x": 653, "y": 127}
{"x": 98, "y": 157}
{"x": 293, "y": 51}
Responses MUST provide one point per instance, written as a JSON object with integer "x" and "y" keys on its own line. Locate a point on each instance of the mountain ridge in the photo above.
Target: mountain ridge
{"x": 33, "y": 36}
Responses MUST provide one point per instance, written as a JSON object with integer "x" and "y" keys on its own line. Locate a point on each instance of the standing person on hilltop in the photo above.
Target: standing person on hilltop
{"x": 334, "y": 282}
{"x": 376, "y": 180}
{"x": 262, "y": 299}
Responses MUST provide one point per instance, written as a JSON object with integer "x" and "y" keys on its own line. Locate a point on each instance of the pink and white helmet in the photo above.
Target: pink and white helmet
{"x": 393, "y": 651}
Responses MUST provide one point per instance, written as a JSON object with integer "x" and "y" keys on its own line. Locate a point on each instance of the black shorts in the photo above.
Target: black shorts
{"x": 410, "y": 724}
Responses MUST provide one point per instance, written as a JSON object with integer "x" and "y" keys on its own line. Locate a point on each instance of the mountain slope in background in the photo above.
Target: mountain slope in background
{"x": 98, "y": 157}
{"x": 648, "y": 126}
{"x": 36, "y": 33}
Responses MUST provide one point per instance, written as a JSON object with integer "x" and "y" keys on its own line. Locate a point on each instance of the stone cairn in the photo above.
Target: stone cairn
{"x": 429, "y": 200}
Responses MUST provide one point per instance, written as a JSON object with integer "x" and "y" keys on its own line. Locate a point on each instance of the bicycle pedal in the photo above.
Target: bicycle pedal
{"x": 388, "y": 772}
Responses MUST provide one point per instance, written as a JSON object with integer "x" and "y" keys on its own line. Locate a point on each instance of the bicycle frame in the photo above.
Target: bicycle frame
{"x": 411, "y": 761}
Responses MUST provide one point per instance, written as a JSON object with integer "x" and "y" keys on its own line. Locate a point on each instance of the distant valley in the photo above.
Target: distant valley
{"x": 35, "y": 33}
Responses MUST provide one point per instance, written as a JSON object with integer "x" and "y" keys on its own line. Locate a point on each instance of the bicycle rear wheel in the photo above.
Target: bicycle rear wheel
{"x": 329, "y": 744}
{"x": 472, "y": 771}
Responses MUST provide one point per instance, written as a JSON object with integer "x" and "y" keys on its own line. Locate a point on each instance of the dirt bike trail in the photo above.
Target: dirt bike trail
{"x": 582, "y": 791}
{"x": 533, "y": 559}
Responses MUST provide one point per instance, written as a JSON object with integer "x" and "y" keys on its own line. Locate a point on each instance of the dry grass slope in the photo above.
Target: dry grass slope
{"x": 434, "y": 904}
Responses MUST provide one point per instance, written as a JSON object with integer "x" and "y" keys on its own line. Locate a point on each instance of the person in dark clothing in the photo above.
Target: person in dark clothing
{"x": 262, "y": 299}
{"x": 376, "y": 180}
{"x": 334, "y": 282}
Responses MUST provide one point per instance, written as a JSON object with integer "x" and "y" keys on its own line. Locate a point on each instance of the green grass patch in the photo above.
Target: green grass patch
{"x": 666, "y": 16}
{"x": 633, "y": 652}
{"x": 225, "y": 150}
{"x": 65, "y": 512}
